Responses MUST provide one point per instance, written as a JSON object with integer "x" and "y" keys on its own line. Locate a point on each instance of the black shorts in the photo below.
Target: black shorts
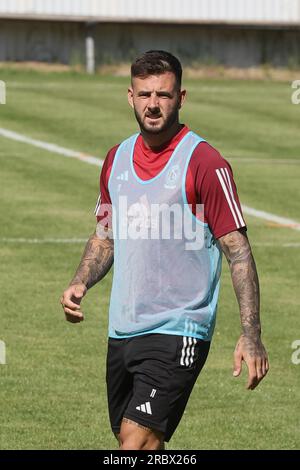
{"x": 150, "y": 378}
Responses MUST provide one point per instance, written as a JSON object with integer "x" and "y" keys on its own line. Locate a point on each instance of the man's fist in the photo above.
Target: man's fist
{"x": 70, "y": 301}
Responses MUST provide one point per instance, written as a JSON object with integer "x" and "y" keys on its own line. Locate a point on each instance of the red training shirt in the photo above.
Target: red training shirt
{"x": 209, "y": 181}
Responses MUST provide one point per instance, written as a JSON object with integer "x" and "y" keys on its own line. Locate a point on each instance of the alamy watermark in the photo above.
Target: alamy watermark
{"x": 296, "y": 354}
{"x": 2, "y": 352}
{"x": 2, "y": 92}
{"x": 296, "y": 94}
{"x": 145, "y": 221}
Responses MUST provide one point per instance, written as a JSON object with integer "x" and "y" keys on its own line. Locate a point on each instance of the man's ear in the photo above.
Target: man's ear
{"x": 182, "y": 98}
{"x": 130, "y": 96}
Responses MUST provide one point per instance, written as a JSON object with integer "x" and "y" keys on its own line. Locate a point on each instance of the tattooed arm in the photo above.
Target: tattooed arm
{"x": 96, "y": 261}
{"x": 249, "y": 348}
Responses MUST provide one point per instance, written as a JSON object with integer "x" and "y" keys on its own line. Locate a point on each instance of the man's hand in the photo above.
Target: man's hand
{"x": 70, "y": 301}
{"x": 254, "y": 354}
{"x": 96, "y": 261}
{"x": 249, "y": 348}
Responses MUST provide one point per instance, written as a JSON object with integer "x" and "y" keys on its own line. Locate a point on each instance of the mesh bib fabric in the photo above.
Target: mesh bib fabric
{"x": 167, "y": 263}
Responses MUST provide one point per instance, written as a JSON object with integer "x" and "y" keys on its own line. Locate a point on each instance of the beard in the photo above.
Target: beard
{"x": 170, "y": 120}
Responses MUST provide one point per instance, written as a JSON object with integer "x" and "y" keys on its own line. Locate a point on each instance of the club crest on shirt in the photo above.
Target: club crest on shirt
{"x": 172, "y": 177}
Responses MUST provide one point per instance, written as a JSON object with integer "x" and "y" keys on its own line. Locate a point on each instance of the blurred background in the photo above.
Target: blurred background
{"x": 237, "y": 33}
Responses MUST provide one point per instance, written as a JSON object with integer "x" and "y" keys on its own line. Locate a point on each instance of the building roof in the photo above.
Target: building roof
{"x": 255, "y": 12}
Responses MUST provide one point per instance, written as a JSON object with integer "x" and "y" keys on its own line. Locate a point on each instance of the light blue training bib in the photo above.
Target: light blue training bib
{"x": 167, "y": 264}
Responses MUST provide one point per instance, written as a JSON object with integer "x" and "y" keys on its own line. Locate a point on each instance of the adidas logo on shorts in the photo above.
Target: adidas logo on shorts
{"x": 145, "y": 408}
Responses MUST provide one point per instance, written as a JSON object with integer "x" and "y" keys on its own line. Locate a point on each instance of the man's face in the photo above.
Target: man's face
{"x": 156, "y": 100}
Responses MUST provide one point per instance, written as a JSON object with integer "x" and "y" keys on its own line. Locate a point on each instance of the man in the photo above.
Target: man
{"x": 165, "y": 288}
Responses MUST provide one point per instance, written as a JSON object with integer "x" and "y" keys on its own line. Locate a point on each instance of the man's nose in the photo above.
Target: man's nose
{"x": 153, "y": 102}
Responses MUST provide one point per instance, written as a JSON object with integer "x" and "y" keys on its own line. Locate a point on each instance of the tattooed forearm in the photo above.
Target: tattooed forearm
{"x": 237, "y": 250}
{"x": 96, "y": 260}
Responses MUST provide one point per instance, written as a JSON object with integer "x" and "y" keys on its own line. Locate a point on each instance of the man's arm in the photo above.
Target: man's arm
{"x": 249, "y": 348}
{"x": 96, "y": 261}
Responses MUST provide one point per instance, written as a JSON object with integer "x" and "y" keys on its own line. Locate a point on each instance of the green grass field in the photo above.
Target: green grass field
{"x": 52, "y": 390}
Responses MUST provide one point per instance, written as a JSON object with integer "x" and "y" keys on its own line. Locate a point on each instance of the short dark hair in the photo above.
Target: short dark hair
{"x": 156, "y": 63}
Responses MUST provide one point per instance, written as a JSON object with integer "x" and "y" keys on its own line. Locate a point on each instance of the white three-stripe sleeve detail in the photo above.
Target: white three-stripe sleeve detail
{"x": 97, "y": 205}
{"x": 238, "y": 212}
{"x": 223, "y": 184}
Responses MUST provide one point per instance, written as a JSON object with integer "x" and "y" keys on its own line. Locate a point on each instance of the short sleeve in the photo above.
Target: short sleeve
{"x": 103, "y": 210}
{"x": 216, "y": 190}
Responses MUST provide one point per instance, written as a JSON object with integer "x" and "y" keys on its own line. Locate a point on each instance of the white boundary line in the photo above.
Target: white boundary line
{"x": 273, "y": 245}
{"x": 43, "y": 240}
{"x": 284, "y": 161}
{"x": 70, "y": 241}
{"x": 281, "y": 221}
{"x": 51, "y": 147}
